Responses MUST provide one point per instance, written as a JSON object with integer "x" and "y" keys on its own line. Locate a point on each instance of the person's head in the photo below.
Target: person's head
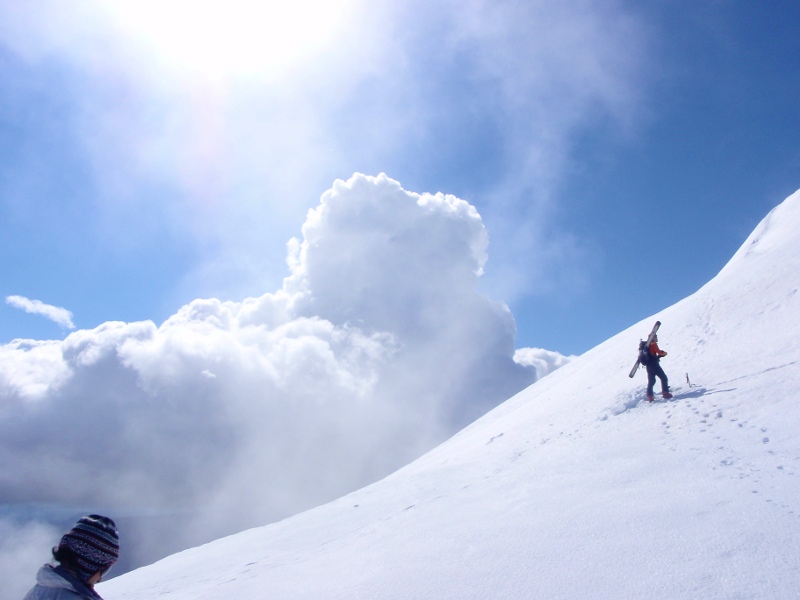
{"x": 90, "y": 548}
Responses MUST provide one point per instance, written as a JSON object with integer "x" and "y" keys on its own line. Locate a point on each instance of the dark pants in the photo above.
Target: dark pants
{"x": 654, "y": 370}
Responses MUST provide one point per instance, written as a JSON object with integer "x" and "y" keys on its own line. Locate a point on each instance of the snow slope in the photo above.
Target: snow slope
{"x": 575, "y": 488}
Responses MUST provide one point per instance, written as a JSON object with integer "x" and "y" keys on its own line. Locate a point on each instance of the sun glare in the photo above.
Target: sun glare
{"x": 233, "y": 37}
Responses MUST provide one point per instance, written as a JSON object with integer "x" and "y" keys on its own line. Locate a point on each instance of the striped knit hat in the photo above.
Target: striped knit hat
{"x": 94, "y": 542}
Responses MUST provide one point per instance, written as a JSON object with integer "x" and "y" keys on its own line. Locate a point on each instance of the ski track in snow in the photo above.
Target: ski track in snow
{"x": 700, "y": 410}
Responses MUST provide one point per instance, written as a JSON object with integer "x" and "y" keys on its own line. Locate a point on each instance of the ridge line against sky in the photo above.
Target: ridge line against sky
{"x": 150, "y": 171}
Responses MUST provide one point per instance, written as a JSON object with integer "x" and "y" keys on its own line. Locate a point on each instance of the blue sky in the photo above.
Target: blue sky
{"x": 618, "y": 152}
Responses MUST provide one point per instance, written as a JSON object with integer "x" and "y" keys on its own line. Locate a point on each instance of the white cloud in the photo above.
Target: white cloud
{"x": 24, "y": 547}
{"x": 36, "y": 307}
{"x": 544, "y": 361}
{"x": 377, "y": 347}
{"x": 29, "y": 369}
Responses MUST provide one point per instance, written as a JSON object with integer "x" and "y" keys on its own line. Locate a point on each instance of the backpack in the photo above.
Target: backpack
{"x": 644, "y": 352}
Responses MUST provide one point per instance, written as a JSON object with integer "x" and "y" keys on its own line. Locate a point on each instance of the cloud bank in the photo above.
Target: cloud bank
{"x": 544, "y": 361}
{"x": 23, "y": 545}
{"x": 36, "y": 307}
{"x": 377, "y": 347}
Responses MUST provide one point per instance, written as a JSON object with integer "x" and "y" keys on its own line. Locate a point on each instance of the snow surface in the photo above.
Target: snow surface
{"x": 575, "y": 487}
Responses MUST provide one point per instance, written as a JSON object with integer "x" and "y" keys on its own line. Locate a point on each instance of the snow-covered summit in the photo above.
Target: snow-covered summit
{"x": 575, "y": 488}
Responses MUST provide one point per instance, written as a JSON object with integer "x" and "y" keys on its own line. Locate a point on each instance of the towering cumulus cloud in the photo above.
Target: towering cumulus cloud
{"x": 230, "y": 414}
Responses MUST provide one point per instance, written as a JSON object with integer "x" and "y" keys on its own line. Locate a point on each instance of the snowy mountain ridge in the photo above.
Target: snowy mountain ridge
{"x": 575, "y": 487}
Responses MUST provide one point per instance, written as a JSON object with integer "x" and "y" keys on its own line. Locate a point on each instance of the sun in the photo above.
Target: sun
{"x": 232, "y": 37}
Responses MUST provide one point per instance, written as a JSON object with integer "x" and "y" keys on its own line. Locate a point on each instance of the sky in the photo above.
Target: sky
{"x": 275, "y": 253}
{"x": 154, "y": 154}
{"x": 693, "y": 496}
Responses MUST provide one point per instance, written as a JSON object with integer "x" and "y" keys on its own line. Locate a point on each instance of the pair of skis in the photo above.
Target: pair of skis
{"x": 649, "y": 340}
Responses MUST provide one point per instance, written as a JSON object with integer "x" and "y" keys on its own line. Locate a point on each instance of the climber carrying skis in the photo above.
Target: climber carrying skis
{"x": 654, "y": 370}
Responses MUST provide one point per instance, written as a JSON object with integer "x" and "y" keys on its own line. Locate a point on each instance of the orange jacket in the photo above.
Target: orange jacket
{"x": 656, "y": 351}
